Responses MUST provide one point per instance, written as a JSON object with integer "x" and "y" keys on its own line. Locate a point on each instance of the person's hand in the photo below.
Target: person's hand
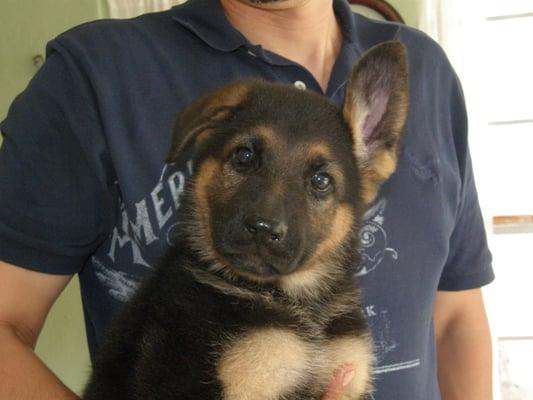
{"x": 343, "y": 376}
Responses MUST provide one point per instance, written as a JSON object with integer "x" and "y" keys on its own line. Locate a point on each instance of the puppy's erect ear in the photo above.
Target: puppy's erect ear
{"x": 375, "y": 108}
{"x": 195, "y": 123}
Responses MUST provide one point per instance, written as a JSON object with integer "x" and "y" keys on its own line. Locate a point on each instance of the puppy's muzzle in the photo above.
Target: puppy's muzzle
{"x": 266, "y": 238}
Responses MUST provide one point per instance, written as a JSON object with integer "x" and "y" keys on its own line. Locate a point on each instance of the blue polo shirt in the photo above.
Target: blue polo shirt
{"x": 84, "y": 188}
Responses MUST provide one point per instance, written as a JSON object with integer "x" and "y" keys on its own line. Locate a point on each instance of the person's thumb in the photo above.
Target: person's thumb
{"x": 342, "y": 378}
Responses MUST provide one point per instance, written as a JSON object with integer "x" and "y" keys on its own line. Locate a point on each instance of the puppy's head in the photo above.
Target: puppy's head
{"x": 282, "y": 176}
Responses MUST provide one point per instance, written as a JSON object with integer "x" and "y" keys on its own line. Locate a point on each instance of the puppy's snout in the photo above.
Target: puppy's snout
{"x": 264, "y": 230}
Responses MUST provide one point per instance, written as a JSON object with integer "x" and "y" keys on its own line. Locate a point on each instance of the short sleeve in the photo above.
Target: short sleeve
{"x": 55, "y": 207}
{"x": 469, "y": 263}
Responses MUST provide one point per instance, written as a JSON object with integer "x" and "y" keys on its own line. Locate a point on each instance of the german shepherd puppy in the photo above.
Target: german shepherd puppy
{"x": 258, "y": 301}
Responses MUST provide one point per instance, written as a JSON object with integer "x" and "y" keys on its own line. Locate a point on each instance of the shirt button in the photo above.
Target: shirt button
{"x": 300, "y": 85}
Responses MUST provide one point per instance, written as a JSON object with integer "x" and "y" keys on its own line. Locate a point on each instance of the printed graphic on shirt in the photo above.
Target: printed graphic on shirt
{"x": 380, "y": 324}
{"x": 142, "y": 233}
{"x": 374, "y": 240}
{"x": 121, "y": 284}
{"x": 384, "y": 342}
{"x": 374, "y": 250}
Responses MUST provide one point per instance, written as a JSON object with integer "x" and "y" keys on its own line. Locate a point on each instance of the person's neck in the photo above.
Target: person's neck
{"x": 309, "y": 34}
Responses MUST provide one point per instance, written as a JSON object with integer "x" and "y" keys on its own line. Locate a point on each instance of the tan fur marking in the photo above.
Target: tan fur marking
{"x": 358, "y": 352}
{"x": 267, "y": 134}
{"x": 355, "y": 113}
{"x": 264, "y": 365}
{"x": 342, "y": 224}
{"x": 317, "y": 150}
{"x": 380, "y": 169}
{"x": 306, "y": 279}
{"x": 230, "y": 96}
{"x": 203, "y": 136}
{"x": 202, "y": 232}
{"x": 304, "y": 282}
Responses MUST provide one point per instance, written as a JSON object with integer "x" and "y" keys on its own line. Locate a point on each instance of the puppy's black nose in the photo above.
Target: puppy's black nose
{"x": 265, "y": 230}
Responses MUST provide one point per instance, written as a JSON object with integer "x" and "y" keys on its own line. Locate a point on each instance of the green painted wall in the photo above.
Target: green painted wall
{"x": 409, "y": 9}
{"x": 25, "y": 27}
{"x": 62, "y": 344}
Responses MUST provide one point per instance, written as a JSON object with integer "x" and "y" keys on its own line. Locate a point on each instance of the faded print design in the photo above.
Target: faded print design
{"x": 140, "y": 237}
{"x": 121, "y": 284}
{"x": 374, "y": 250}
{"x": 374, "y": 240}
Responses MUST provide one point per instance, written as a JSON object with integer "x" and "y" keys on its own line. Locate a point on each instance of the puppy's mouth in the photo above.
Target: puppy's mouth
{"x": 257, "y": 265}
{"x": 255, "y": 256}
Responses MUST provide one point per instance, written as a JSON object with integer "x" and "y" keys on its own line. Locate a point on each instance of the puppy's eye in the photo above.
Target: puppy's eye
{"x": 243, "y": 158}
{"x": 321, "y": 181}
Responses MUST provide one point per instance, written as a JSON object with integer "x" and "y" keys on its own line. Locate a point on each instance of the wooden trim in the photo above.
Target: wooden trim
{"x": 382, "y": 7}
{"x": 512, "y": 224}
{"x": 512, "y": 219}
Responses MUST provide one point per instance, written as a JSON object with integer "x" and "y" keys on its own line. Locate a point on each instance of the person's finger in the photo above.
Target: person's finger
{"x": 340, "y": 381}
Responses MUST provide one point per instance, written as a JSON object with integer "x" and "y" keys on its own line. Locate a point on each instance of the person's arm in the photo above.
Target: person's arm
{"x": 25, "y": 299}
{"x": 464, "y": 348}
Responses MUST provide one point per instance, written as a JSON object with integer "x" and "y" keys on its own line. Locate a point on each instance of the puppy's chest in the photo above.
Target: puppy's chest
{"x": 272, "y": 362}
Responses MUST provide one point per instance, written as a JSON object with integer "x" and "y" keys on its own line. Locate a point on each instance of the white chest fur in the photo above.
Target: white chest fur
{"x": 268, "y": 363}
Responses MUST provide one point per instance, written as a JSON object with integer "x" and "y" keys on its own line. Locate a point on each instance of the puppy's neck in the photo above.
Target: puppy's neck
{"x": 309, "y": 287}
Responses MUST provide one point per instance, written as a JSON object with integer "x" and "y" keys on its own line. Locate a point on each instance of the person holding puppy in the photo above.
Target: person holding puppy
{"x": 85, "y": 189}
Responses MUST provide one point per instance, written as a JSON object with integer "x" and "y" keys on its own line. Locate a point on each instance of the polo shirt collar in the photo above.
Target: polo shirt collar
{"x": 206, "y": 19}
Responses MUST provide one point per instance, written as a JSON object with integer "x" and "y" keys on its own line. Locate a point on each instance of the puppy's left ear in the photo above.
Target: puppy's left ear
{"x": 196, "y": 122}
{"x": 376, "y": 107}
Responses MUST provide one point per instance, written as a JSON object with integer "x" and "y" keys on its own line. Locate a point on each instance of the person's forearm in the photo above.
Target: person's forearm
{"x": 465, "y": 363}
{"x": 23, "y": 376}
